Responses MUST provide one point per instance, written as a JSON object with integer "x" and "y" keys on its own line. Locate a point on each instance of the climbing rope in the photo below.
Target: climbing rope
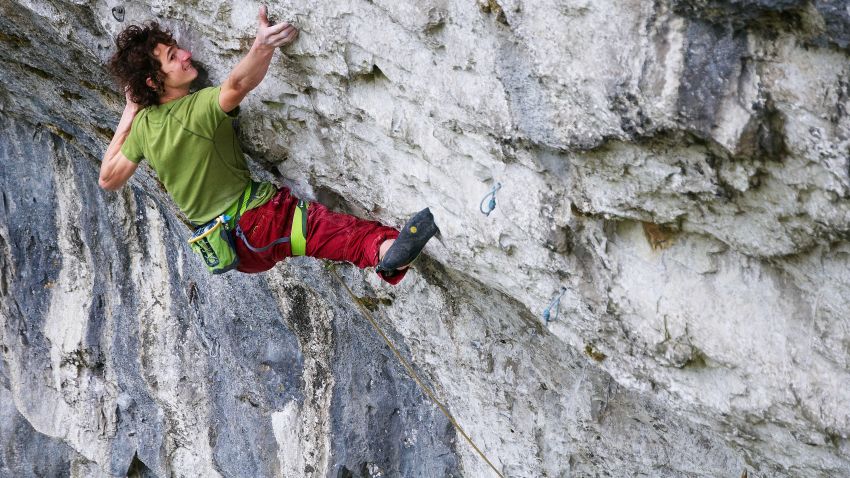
{"x": 556, "y": 303}
{"x": 411, "y": 372}
{"x": 492, "y": 204}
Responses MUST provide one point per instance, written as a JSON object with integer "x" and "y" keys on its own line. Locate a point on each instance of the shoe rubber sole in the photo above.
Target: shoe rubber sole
{"x": 410, "y": 242}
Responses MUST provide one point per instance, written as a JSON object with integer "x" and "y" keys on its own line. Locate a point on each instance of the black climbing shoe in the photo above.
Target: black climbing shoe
{"x": 410, "y": 242}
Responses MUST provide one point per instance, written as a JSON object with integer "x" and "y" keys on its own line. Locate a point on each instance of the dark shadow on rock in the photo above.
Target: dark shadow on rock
{"x": 820, "y": 23}
{"x": 138, "y": 469}
{"x": 712, "y": 64}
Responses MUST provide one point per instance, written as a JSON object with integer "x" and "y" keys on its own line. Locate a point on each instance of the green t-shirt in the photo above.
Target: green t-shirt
{"x": 192, "y": 146}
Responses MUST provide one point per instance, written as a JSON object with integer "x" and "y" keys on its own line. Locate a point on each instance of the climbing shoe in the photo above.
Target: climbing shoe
{"x": 410, "y": 242}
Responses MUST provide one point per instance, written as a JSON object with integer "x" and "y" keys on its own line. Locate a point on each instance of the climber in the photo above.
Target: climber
{"x": 189, "y": 140}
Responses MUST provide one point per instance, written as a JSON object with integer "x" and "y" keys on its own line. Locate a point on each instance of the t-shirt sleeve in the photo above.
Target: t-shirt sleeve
{"x": 132, "y": 147}
{"x": 206, "y": 110}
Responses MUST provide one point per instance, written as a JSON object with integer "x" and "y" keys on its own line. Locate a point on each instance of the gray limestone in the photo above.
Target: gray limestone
{"x": 681, "y": 168}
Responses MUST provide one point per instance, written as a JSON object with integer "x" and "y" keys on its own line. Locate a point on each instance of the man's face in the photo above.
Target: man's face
{"x": 176, "y": 65}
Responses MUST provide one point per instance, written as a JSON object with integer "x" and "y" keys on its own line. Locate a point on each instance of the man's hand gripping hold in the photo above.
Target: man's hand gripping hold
{"x": 253, "y": 68}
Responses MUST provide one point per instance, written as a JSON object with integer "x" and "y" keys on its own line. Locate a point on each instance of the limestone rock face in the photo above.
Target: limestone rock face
{"x": 675, "y": 173}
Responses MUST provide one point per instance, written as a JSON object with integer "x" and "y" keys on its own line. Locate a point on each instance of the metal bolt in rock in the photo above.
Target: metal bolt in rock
{"x": 118, "y": 13}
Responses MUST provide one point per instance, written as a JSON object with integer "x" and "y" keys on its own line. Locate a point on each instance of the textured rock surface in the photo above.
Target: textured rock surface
{"x": 679, "y": 167}
{"x": 23, "y": 451}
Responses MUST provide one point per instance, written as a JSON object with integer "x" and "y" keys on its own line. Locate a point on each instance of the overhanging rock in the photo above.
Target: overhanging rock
{"x": 680, "y": 168}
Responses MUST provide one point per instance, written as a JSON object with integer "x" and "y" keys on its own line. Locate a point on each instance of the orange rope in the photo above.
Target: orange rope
{"x": 412, "y": 373}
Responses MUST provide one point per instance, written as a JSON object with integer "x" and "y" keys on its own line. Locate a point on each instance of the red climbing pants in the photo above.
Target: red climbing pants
{"x": 330, "y": 235}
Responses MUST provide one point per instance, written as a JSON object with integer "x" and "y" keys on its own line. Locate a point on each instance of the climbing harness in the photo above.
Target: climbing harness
{"x": 215, "y": 241}
{"x": 556, "y": 303}
{"x": 297, "y": 236}
{"x": 411, "y": 372}
{"x": 492, "y": 204}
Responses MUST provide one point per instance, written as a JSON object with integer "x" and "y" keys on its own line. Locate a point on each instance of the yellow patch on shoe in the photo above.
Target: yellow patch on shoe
{"x": 413, "y": 229}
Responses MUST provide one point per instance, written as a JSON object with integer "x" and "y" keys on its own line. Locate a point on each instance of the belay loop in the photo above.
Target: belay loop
{"x": 492, "y": 203}
{"x": 556, "y": 303}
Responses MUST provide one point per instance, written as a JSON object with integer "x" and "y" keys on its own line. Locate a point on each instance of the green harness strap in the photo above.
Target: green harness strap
{"x": 298, "y": 234}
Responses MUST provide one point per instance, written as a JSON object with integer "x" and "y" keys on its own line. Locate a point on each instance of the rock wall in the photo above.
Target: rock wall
{"x": 678, "y": 168}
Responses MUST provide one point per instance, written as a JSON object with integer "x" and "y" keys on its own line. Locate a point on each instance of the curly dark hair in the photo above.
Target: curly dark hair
{"x": 134, "y": 62}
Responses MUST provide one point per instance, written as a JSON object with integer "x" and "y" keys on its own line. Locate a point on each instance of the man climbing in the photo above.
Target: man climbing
{"x": 189, "y": 140}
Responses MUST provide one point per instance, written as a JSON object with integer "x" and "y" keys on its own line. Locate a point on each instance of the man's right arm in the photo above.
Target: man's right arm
{"x": 252, "y": 69}
{"x": 116, "y": 169}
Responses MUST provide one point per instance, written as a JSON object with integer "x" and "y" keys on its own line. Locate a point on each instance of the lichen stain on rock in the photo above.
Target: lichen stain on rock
{"x": 373, "y": 303}
{"x": 658, "y": 236}
{"x": 593, "y": 353}
{"x": 680, "y": 353}
{"x": 493, "y": 7}
{"x": 14, "y": 39}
